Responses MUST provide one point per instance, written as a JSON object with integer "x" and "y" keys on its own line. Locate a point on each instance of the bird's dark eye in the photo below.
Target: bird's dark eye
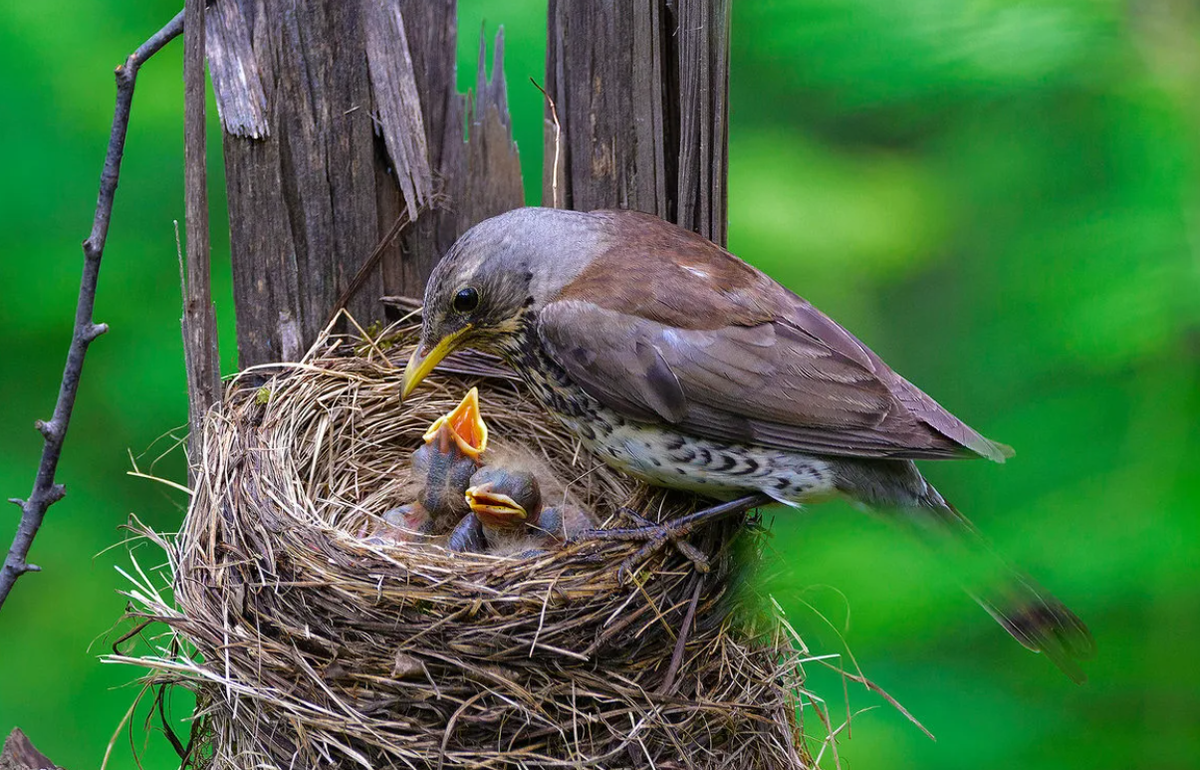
{"x": 466, "y": 300}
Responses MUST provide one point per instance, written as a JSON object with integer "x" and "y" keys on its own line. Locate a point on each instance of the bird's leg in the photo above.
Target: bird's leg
{"x": 681, "y": 526}
{"x": 656, "y": 535}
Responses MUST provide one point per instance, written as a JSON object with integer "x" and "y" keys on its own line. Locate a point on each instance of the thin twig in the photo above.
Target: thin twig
{"x": 554, "y": 169}
{"x": 364, "y": 271}
{"x": 681, "y": 642}
{"x": 199, "y": 316}
{"x": 45, "y": 491}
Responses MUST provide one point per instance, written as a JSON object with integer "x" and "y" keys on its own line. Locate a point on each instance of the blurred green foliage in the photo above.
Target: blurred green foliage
{"x": 999, "y": 196}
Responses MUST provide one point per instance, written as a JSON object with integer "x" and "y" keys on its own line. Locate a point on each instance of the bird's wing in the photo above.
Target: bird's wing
{"x": 768, "y": 384}
{"x": 707, "y": 343}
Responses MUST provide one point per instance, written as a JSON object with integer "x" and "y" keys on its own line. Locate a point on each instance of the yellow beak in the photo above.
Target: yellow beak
{"x": 484, "y": 500}
{"x": 420, "y": 366}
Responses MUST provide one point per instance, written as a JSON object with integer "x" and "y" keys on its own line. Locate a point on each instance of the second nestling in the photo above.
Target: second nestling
{"x": 508, "y": 518}
{"x": 449, "y": 457}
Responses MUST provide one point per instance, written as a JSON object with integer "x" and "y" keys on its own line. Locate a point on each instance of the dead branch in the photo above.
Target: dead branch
{"x": 45, "y": 491}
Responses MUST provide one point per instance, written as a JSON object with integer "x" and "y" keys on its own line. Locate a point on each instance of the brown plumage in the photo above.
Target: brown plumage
{"x": 676, "y": 361}
{"x": 803, "y": 382}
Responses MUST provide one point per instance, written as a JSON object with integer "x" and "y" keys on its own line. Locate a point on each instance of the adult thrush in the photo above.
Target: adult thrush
{"x": 673, "y": 360}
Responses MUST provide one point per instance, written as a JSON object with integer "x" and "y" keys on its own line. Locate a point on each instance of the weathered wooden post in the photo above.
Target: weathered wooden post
{"x": 641, "y": 95}
{"x": 349, "y": 175}
{"x": 341, "y": 120}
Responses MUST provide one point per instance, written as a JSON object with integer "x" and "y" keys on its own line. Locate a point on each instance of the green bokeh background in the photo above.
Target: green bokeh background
{"x": 999, "y": 197}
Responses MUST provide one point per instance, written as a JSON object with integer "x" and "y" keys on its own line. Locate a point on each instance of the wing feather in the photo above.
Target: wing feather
{"x": 667, "y": 326}
{"x": 772, "y": 384}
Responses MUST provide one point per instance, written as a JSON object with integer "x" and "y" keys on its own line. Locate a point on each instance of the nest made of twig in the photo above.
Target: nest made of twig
{"x": 309, "y": 646}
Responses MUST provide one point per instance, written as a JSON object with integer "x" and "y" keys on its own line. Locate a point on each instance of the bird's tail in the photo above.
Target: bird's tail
{"x": 1034, "y": 616}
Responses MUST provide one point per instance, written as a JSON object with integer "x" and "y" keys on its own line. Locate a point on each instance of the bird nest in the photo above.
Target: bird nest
{"x": 309, "y": 645}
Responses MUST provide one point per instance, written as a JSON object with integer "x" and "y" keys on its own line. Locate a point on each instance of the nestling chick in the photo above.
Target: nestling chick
{"x": 447, "y": 460}
{"x": 555, "y": 524}
{"x": 508, "y": 506}
{"x": 406, "y": 524}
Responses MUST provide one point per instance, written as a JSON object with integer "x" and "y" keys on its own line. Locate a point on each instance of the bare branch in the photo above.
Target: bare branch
{"x": 45, "y": 491}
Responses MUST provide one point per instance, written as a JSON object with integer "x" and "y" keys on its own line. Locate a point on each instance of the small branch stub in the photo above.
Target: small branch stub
{"x": 19, "y": 753}
{"x": 94, "y": 331}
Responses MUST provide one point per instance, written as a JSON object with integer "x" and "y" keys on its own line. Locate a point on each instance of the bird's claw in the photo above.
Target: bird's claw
{"x": 654, "y": 537}
{"x": 637, "y": 518}
{"x": 690, "y": 552}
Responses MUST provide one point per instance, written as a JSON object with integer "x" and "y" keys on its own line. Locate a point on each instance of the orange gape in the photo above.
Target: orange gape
{"x": 466, "y": 426}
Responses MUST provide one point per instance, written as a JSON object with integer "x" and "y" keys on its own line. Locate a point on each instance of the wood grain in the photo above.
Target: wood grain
{"x": 641, "y": 91}
{"x": 201, "y": 359}
{"x": 360, "y": 122}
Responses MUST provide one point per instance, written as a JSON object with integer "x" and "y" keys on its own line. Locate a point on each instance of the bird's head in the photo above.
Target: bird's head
{"x": 497, "y": 274}
{"x": 504, "y": 498}
{"x": 411, "y": 517}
